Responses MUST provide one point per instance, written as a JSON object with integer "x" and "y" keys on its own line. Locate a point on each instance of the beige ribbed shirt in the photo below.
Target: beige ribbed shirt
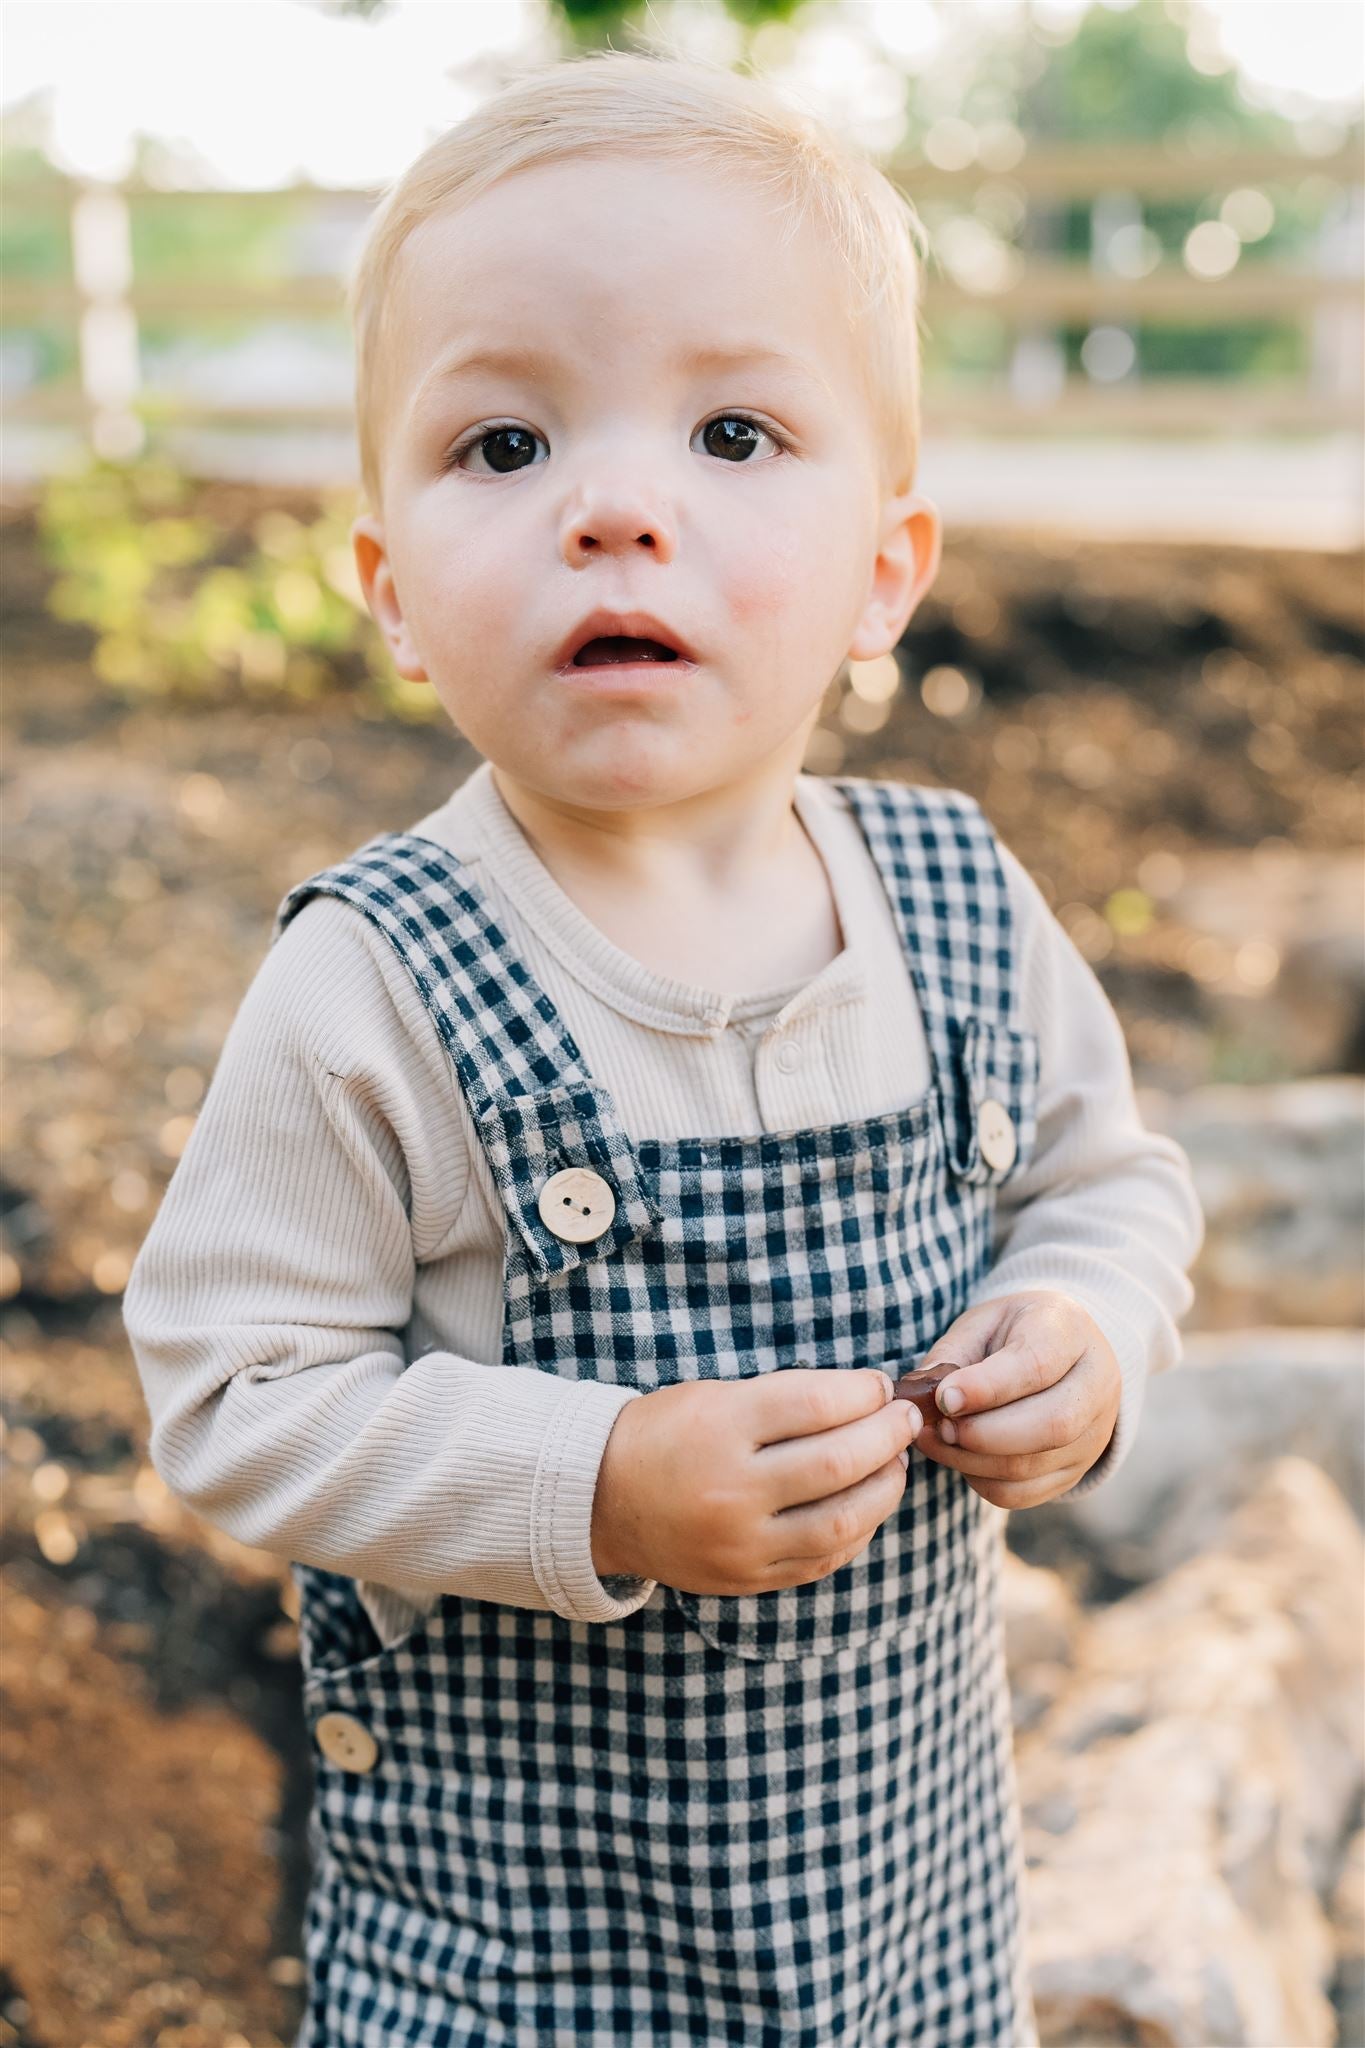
{"x": 316, "y": 1311}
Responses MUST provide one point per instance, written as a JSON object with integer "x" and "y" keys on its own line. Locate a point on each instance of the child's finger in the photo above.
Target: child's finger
{"x": 1032, "y": 1434}
{"x": 1027, "y": 1470}
{"x": 1027, "y": 1493}
{"x": 973, "y": 1465}
{"x": 1010, "y": 1374}
{"x": 1040, "y": 1424}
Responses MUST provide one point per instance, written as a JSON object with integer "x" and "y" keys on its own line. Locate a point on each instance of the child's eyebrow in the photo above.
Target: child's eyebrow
{"x": 524, "y": 360}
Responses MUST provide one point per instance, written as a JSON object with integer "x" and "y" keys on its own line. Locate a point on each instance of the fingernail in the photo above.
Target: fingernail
{"x": 890, "y": 1386}
{"x": 904, "y": 1457}
{"x": 950, "y": 1399}
{"x": 947, "y": 1433}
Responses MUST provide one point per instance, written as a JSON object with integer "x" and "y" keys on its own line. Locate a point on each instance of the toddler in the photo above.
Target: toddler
{"x": 587, "y": 1160}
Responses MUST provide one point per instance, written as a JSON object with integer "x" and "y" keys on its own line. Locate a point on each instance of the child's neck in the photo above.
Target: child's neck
{"x": 725, "y": 894}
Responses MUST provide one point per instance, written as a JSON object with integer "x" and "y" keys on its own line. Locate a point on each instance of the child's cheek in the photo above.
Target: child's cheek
{"x": 469, "y": 596}
{"x": 764, "y": 583}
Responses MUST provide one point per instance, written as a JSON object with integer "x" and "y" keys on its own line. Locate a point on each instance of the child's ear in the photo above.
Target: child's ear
{"x": 909, "y": 544}
{"x": 381, "y": 595}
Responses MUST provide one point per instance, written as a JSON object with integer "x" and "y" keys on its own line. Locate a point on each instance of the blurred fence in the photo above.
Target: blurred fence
{"x": 1124, "y": 280}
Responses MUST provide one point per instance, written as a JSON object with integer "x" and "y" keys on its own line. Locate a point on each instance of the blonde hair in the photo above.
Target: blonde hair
{"x": 618, "y": 103}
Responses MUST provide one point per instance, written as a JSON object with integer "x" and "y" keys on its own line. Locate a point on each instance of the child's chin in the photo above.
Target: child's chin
{"x": 619, "y": 779}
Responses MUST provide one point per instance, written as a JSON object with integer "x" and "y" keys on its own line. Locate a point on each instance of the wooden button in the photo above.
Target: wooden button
{"x": 995, "y": 1131}
{"x": 576, "y": 1204}
{"x": 346, "y": 1742}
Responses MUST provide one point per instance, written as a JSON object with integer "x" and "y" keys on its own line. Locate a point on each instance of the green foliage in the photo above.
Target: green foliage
{"x": 595, "y": 24}
{"x": 35, "y": 240}
{"x": 1119, "y": 75}
{"x": 177, "y": 242}
{"x": 1125, "y": 76}
{"x": 35, "y": 248}
{"x": 187, "y": 609}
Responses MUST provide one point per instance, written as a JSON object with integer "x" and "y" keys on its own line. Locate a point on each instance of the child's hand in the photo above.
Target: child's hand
{"x": 1040, "y": 1397}
{"x": 743, "y": 1486}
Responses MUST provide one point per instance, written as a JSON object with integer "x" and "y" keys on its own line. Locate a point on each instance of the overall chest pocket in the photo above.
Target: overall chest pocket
{"x": 993, "y": 1120}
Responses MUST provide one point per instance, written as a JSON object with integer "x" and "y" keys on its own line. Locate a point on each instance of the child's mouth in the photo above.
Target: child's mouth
{"x": 614, "y": 664}
{"x": 616, "y": 650}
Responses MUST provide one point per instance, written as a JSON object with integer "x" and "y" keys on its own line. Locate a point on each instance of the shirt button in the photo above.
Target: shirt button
{"x": 995, "y": 1131}
{"x": 788, "y": 1056}
{"x": 576, "y": 1204}
{"x": 346, "y": 1742}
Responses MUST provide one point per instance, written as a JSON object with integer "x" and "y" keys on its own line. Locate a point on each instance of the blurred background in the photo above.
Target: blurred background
{"x": 1143, "y": 655}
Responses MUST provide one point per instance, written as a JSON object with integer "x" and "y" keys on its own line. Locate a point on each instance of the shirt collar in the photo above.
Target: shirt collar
{"x": 477, "y": 819}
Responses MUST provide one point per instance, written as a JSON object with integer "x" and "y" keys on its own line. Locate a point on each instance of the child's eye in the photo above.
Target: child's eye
{"x": 505, "y": 450}
{"x": 733, "y": 436}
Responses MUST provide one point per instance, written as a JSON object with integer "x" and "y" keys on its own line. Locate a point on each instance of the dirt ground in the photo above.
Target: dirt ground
{"x": 1126, "y": 715}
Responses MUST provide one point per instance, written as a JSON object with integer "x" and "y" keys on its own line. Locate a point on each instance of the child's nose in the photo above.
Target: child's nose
{"x": 618, "y": 523}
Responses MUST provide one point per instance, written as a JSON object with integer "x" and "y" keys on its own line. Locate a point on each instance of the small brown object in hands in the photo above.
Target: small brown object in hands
{"x": 920, "y": 1387}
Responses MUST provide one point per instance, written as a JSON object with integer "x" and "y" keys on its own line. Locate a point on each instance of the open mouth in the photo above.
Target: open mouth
{"x": 616, "y": 648}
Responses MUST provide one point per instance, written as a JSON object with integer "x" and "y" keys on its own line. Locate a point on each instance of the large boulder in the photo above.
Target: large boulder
{"x": 1042, "y": 1621}
{"x": 1348, "y": 1928}
{"x": 1301, "y": 910}
{"x": 1280, "y": 1174}
{"x": 1210, "y": 1428}
{"x": 1185, "y": 1794}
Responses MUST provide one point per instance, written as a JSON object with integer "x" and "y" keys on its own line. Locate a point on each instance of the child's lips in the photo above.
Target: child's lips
{"x": 607, "y": 678}
{"x": 617, "y": 629}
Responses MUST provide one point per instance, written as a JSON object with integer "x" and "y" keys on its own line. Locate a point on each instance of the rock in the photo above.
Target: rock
{"x": 1280, "y": 1174}
{"x": 1185, "y": 1794}
{"x": 1307, "y": 905}
{"x": 1210, "y": 1428}
{"x": 1042, "y": 1617}
{"x": 1321, "y": 999}
{"x": 1348, "y": 1928}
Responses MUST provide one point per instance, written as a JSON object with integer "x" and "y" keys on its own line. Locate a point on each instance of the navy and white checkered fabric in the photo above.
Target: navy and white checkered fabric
{"x": 786, "y": 1820}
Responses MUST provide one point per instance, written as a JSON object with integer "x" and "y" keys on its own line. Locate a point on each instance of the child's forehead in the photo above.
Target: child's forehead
{"x": 593, "y": 216}
{"x": 691, "y": 261}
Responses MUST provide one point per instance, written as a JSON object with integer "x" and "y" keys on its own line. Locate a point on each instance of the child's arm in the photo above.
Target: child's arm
{"x": 266, "y": 1304}
{"x": 1104, "y": 1213}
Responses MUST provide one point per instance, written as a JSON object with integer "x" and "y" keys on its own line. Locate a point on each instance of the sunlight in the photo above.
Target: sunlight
{"x": 349, "y": 102}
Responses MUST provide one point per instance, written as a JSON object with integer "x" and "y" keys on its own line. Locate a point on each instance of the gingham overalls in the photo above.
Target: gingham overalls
{"x": 787, "y": 1820}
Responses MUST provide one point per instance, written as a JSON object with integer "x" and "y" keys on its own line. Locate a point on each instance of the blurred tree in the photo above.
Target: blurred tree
{"x": 1125, "y": 74}
{"x": 1146, "y": 72}
{"x": 593, "y": 24}
{"x": 35, "y": 247}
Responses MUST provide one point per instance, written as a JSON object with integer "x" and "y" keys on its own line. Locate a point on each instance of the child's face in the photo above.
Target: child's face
{"x": 630, "y": 485}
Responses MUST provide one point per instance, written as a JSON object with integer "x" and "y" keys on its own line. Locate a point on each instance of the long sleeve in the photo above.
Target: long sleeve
{"x": 266, "y": 1306}
{"x": 1104, "y": 1209}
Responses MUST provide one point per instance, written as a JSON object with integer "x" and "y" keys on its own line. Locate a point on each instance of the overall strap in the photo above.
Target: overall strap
{"x": 940, "y": 862}
{"x": 533, "y": 1101}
